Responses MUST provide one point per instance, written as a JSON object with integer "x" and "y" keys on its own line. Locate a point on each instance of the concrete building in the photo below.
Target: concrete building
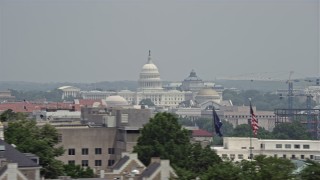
{"x": 102, "y": 135}
{"x": 237, "y": 148}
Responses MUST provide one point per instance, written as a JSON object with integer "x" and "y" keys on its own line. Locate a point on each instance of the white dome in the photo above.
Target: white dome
{"x": 150, "y": 76}
{"x": 208, "y": 92}
{"x": 116, "y": 101}
{"x": 150, "y": 68}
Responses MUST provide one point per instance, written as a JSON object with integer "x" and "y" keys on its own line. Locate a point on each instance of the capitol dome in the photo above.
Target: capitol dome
{"x": 150, "y": 77}
{"x": 116, "y": 100}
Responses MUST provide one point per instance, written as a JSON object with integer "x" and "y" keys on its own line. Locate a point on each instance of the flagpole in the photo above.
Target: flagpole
{"x": 213, "y": 125}
{"x": 250, "y": 148}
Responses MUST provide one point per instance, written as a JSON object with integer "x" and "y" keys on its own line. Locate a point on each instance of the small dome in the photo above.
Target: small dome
{"x": 116, "y": 101}
{"x": 207, "y": 92}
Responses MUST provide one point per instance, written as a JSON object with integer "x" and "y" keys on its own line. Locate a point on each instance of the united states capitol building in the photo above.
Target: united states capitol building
{"x": 150, "y": 87}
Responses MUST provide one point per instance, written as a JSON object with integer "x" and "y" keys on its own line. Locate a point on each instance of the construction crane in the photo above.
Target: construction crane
{"x": 290, "y": 93}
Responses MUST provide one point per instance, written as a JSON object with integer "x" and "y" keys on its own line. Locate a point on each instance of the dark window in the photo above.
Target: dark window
{"x": 302, "y": 157}
{"x": 71, "y": 162}
{"x": 306, "y": 146}
{"x": 111, "y": 151}
{"x": 85, "y": 151}
{"x": 98, "y": 150}
{"x": 297, "y": 146}
{"x": 59, "y": 137}
{"x": 84, "y": 163}
{"x": 311, "y": 156}
{"x": 293, "y": 156}
{"x": 287, "y": 146}
{"x": 110, "y": 162}
{"x": 71, "y": 151}
{"x": 97, "y": 162}
{"x": 278, "y": 145}
{"x": 275, "y": 155}
{"x": 284, "y": 156}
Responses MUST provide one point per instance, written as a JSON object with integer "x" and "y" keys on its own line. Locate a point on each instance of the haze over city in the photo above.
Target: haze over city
{"x": 97, "y": 40}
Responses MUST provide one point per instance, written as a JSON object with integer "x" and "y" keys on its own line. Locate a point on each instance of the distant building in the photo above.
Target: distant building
{"x": 69, "y": 91}
{"x": 192, "y": 83}
{"x": 5, "y": 96}
{"x": 238, "y": 148}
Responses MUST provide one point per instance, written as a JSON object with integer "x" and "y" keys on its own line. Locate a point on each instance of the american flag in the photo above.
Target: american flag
{"x": 254, "y": 122}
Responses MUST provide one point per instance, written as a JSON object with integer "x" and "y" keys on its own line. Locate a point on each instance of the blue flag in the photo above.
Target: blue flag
{"x": 217, "y": 122}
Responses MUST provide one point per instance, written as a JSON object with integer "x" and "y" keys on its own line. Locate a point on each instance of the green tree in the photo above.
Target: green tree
{"x": 244, "y": 130}
{"x": 273, "y": 167}
{"x": 76, "y": 171}
{"x": 293, "y": 130}
{"x": 147, "y": 102}
{"x": 312, "y": 171}
{"x": 164, "y": 137}
{"x": 223, "y": 171}
{"x": 10, "y": 115}
{"x": 37, "y": 140}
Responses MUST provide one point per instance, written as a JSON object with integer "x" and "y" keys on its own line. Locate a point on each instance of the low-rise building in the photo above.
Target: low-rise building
{"x": 239, "y": 148}
{"x": 16, "y": 165}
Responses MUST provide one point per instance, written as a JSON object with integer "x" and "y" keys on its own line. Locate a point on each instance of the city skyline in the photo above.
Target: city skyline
{"x": 93, "y": 41}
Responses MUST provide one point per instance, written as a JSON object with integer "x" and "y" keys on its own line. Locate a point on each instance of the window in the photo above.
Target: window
{"x": 110, "y": 150}
{"x": 262, "y": 146}
{"x": 232, "y": 156}
{"x": 306, "y": 146}
{"x": 302, "y": 157}
{"x": 297, "y": 146}
{"x": 124, "y": 118}
{"x": 275, "y": 155}
{"x": 278, "y": 145}
{"x": 97, "y": 162}
{"x": 110, "y": 162}
{"x": 85, "y": 151}
{"x": 240, "y": 156}
{"x": 98, "y": 151}
{"x": 71, "y": 162}
{"x": 84, "y": 163}
{"x": 311, "y": 156}
{"x": 293, "y": 156}
{"x": 59, "y": 137}
{"x": 71, "y": 151}
{"x": 284, "y": 156}
{"x": 287, "y": 146}
{"x": 243, "y": 147}
{"x": 224, "y": 156}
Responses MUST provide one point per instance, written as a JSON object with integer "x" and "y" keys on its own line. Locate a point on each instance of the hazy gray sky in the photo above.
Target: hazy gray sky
{"x": 107, "y": 40}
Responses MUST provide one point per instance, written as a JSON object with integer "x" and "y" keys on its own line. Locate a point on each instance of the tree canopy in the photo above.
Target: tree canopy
{"x": 37, "y": 140}
{"x": 164, "y": 137}
{"x": 76, "y": 171}
{"x": 147, "y": 102}
{"x": 9, "y": 115}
